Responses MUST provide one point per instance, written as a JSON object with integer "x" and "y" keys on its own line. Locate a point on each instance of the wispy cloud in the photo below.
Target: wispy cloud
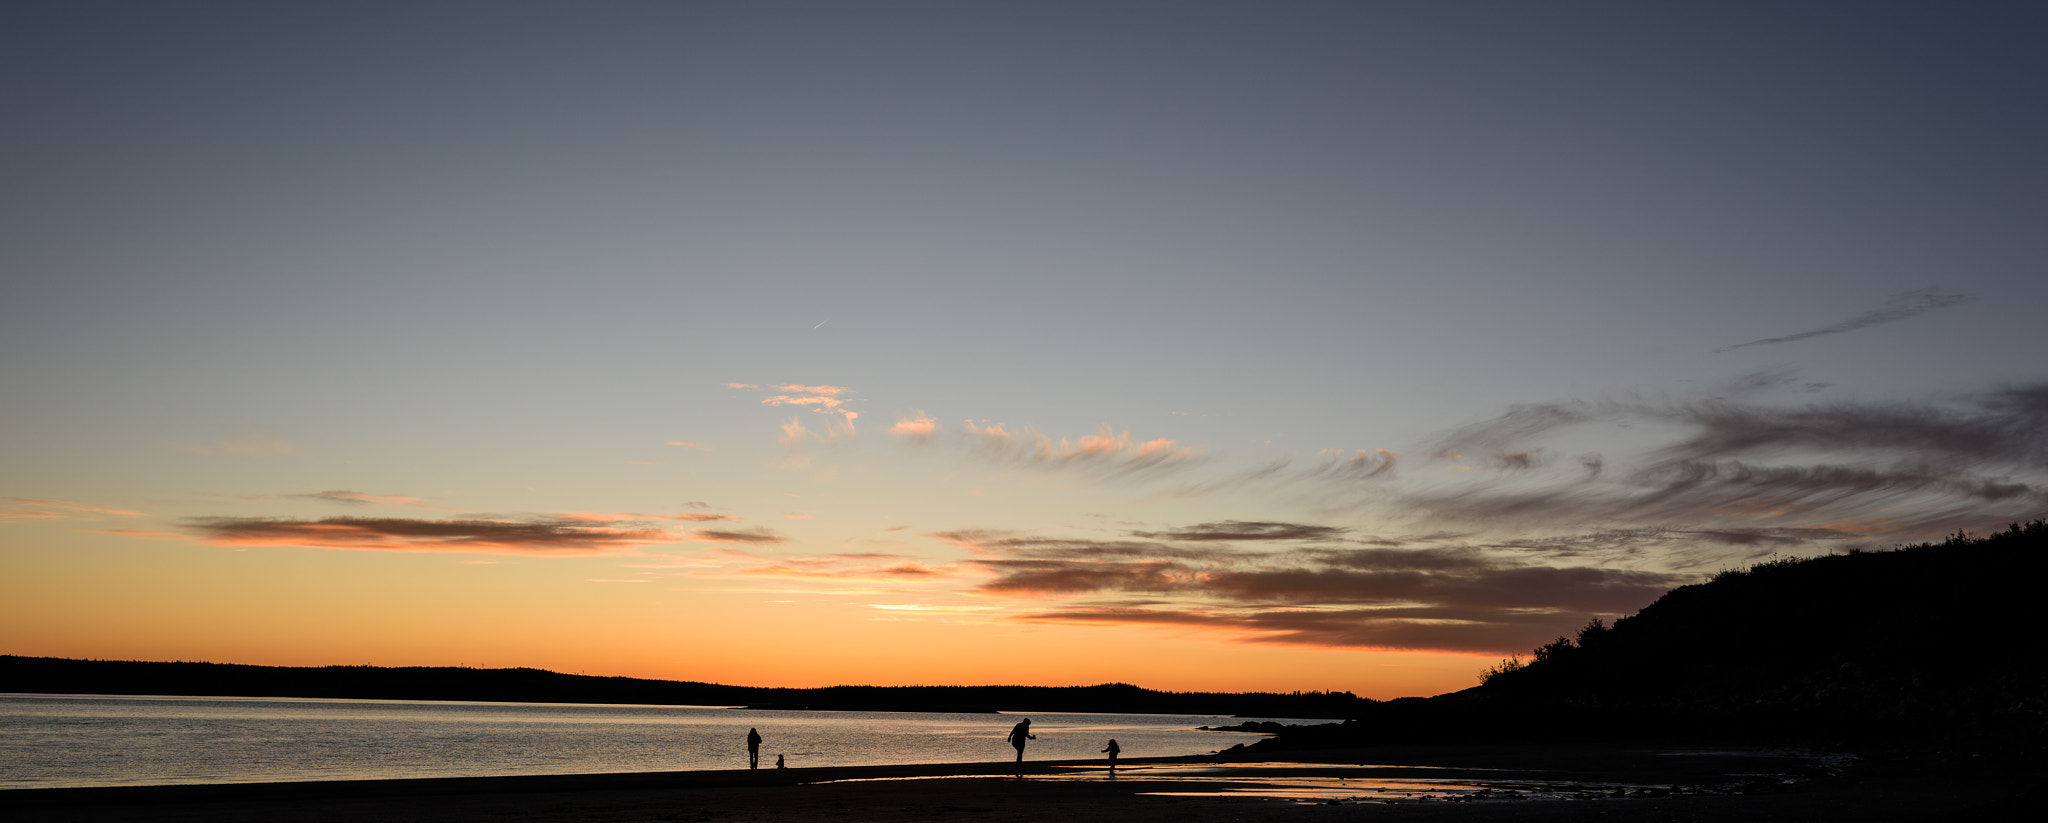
{"x": 1357, "y": 464}
{"x": 354, "y": 498}
{"x": 749, "y": 536}
{"x": 1728, "y": 460}
{"x": 796, "y": 435}
{"x": 545, "y": 536}
{"x": 638, "y": 517}
{"x": 1238, "y": 530}
{"x": 870, "y": 567}
{"x": 257, "y": 445}
{"x": 1341, "y": 628}
{"x": 824, "y": 399}
{"x": 1900, "y": 307}
{"x": 1319, "y": 588}
{"x": 36, "y": 508}
{"x": 1107, "y": 453}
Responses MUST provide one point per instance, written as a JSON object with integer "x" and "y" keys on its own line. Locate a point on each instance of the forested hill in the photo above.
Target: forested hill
{"x": 48, "y": 675}
{"x": 1930, "y": 643}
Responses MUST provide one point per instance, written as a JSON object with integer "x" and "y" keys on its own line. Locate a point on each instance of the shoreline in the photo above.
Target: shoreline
{"x": 1193, "y": 789}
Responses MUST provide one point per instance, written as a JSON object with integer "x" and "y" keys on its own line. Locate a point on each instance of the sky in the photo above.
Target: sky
{"x": 1201, "y": 346}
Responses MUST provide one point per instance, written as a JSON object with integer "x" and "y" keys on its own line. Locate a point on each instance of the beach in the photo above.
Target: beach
{"x": 1453, "y": 783}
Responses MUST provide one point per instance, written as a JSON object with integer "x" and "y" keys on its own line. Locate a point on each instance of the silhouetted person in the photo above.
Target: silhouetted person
{"x": 753, "y": 749}
{"x": 1113, "y": 749}
{"x": 1018, "y": 734}
{"x": 779, "y": 764}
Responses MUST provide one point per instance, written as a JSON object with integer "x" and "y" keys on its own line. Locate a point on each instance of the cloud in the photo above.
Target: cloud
{"x": 1520, "y": 423}
{"x": 1000, "y": 543}
{"x": 1900, "y": 307}
{"x": 1357, "y": 465}
{"x": 634, "y": 517}
{"x": 36, "y": 508}
{"x": 1727, "y": 460}
{"x": 252, "y": 446}
{"x": 823, "y": 399}
{"x": 824, "y": 391}
{"x": 1341, "y": 628}
{"x": 1107, "y": 453}
{"x": 795, "y": 435}
{"x": 865, "y": 567}
{"x": 919, "y": 428}
{"x": 1236, "y": 530}
{"x": 351, "y": 498}
{"x": 1322, "y": 589}
{"x": 751, "y": 536}
{"x": 1514, "y": 461}
{"x": 545, "y": 536}
{"x": 146, "y": 534}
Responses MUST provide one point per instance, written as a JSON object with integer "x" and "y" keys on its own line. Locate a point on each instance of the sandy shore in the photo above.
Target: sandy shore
{"x": 1462, "y": 783}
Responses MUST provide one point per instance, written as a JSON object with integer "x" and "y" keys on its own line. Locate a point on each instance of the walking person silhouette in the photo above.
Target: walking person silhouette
{"x": 1113, "y": 749}
{"x": 1018, "y": 734}
{"x": 753, "y": 749}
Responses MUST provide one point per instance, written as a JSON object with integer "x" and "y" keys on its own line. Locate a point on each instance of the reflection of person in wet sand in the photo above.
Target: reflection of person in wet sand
{"x": 1020, "y": 733}
{"x": 1113, "y": 749}
{"x": 753, "y": 749}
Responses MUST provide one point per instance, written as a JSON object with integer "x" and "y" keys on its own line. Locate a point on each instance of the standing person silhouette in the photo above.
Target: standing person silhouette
{"x": 1018, "y": 734}
{"x": 753, "y": 749}
{"x": 1113, "y": 749}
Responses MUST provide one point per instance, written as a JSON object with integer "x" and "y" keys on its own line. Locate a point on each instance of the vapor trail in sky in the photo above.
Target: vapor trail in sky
{"x": 1902, "y": 307}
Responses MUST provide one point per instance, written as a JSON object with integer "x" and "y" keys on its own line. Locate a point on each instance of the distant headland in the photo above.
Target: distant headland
{"x": 51, "y": 675}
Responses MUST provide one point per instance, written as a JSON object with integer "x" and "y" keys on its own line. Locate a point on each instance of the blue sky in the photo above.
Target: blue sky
{"x": 1077, "y": 314}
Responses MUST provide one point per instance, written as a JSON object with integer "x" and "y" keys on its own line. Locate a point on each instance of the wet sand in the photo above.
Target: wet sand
{"x": 1520, "y": 783}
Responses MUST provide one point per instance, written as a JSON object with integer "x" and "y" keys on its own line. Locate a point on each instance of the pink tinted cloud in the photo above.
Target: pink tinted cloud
{"x": 919, "y": 427}
{"x": 824, "y": 399}
{"x": 828, "y": 391}
{"x": 795, "y": 434}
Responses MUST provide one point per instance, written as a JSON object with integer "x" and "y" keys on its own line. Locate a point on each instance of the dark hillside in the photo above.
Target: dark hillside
{"x": 1930, "y": 643}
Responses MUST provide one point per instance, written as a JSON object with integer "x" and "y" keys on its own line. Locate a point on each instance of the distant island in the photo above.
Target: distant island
{"x": 51, "y": 675}
{"x": 1939, "y": 646}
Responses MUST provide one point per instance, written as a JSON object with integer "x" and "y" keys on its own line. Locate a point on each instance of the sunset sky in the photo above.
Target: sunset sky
{"x": 1201, "y": 346}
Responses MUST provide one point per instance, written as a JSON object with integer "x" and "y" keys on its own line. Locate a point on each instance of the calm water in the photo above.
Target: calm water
{"x": 90, "y": 740}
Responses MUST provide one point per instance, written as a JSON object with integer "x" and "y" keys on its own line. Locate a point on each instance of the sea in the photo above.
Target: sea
{"x": 58, "y": 740}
